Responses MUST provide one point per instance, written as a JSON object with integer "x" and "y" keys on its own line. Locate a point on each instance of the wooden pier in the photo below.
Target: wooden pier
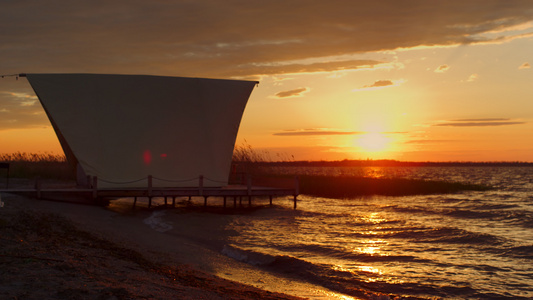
{"x": 102, "y": 196}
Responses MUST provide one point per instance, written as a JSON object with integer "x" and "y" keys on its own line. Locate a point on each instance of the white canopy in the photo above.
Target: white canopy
{"x": 122, "y": 128}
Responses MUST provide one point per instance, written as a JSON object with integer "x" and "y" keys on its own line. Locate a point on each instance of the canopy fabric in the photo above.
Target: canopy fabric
{"x": 122, "y": 128}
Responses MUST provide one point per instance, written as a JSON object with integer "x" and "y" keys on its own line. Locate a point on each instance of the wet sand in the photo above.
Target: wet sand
{"x": 53, "y": 250}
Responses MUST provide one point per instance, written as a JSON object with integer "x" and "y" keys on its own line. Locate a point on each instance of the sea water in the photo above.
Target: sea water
{"x": 468, "y": 245}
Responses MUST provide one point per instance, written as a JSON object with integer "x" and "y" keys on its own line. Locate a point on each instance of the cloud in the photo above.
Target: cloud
{"x": 472, "y": 78}
{"x": 315, "y": 132}
{"x": 379, "y": 84}
{"x": 292, "y": 93}
{"x": 480, "y": 122}
{"x": 525, "y": 65}
{"x": 295, "y": 68}
{"x": 442, "y": 69}
{"x": 21, "y": 110}
{"x": 233, "y": 38}
{"x": 428, "y": 142}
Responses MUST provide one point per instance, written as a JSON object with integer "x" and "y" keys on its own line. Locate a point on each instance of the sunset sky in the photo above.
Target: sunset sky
{"x": 406, "y": 80}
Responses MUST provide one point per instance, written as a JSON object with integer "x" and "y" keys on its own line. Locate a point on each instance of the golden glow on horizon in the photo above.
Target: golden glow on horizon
{"x": 373, "y": 142}
{"x": 31, "y": 140}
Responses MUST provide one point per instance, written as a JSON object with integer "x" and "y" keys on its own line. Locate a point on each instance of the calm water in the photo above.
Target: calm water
{"x": 471, "y": 245}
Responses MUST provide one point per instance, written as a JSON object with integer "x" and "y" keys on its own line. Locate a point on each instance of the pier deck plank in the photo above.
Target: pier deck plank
{"x": 92, "y": 196}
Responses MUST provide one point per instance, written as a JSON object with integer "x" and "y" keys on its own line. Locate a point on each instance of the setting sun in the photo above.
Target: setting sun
{"x": 373, "y": 142}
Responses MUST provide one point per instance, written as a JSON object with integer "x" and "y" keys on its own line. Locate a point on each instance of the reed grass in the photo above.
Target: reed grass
{"x": 281, "y": 174}
{"x": 355, "y": 186}
{"x": 32, "y": 165}
{"x": 347, "y": 186}
{"x": 247, "y": 161}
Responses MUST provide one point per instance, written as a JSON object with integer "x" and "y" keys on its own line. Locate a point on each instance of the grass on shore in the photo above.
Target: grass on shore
{"x": 52, "y": 166}
{"x": 342, "y": 187}
{"x": 253, "y": 163}
{"x": 352, "y": 186}
{"x": 32, "y": 165}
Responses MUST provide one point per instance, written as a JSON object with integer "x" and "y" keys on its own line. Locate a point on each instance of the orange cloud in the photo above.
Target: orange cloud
{"x": 480, "y": 122}
{"x": 379, "y": 84}
{"x": 315, "y": 132}
{"x": 442, "y": 69}
{"x": 292, "y": 93}
{"x": 472, "y": 77}
{"x": 525, "y": 65}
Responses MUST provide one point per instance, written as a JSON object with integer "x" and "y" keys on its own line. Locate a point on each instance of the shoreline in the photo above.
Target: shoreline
{"x": 47, "y": 255}
{"x": 159, "y": 264}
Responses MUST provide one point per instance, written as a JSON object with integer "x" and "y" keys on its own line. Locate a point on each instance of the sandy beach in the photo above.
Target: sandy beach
{"x": 55, "y": 250}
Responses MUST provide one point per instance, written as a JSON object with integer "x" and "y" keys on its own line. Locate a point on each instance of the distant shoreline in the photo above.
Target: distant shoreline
{"x": 388, "y": 163}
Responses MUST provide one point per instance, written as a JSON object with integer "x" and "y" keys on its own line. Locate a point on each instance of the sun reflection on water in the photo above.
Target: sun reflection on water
{"x": 374, "y": 172}
{"x": 375, "y": 273}
{"x": 373, "y": 218}
{"x": 370, "y": 269}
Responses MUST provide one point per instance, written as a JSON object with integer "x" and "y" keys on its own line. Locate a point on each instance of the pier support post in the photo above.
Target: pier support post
{"x": 149, "y": 185}
{"x": 224, "y": 201}
{"x": 149, "y": 191}
{"x": 205, "y": 201}
{"x": 235, "y": 202}
{"x": 296, "y": 185}
{"x": 249, "y": 189}
{"x": 270, "y": 197}
{"x": 296, "y": 189}
{"x": 201, "y": 185}
{"x": 174, "y": 201}
{"x": 249, "y": 184}
{"x": 134, "y": 201}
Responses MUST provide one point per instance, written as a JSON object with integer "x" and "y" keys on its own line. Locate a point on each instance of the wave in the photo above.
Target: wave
{"x": 324, "y": 251}
{"x": 156, "y": 222}
{"x": 355, "y": 283}
{"x": 442, "y": 235}
{"x": 247, "y": 256}
{"x": 521, "y": 251}
{"x": 292, "y": 267}
{"x": 492, "y": 212}
{"x": 450, "y": 235}
{"x": 471, "y": 214}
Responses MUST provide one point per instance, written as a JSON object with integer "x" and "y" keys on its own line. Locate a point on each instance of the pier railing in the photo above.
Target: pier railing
{"x": 95, "y": 194}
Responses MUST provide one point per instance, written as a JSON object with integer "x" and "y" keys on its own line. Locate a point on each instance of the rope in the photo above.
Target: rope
{"x": 176, "y": 181}
{"x": 13, "y": 75}
{"x": 160, "y": 179}
{"x": 122, "y": 182}
{"x": 217, "y": 181}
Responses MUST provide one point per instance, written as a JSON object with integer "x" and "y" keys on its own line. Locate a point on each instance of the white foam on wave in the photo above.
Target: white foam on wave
{"x": 156, "y": 222}
{"x": 247, "y": 256}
